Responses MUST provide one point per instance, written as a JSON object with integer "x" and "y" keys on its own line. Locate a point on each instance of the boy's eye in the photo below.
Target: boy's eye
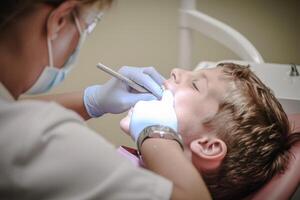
{"x": 195, "y": 85}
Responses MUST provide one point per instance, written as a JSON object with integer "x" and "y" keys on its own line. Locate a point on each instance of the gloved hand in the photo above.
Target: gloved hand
{"x": 116, "y": 96}
{"x": 148, "y": 113}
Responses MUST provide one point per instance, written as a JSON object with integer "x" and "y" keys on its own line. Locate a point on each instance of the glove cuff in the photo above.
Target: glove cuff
{"x": 90, "y": 101}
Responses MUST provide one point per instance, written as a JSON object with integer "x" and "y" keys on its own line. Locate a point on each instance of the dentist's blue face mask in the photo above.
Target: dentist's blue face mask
{"x": 52, "y": 76}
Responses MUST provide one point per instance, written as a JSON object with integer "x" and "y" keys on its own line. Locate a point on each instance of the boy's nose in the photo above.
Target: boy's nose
{"x": 177, "y": 75}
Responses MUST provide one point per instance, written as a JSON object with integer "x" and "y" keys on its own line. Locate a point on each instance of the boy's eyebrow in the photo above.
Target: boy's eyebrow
{"x": 206, "y": 79}
{"x": 200, "y": 74}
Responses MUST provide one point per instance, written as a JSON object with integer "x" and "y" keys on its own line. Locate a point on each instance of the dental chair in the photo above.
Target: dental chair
{"x": 283, "y": 79}
{"x": 283, "y": 186}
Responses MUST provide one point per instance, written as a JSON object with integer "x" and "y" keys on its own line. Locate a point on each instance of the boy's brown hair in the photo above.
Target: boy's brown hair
{"x": 256, "y": 131}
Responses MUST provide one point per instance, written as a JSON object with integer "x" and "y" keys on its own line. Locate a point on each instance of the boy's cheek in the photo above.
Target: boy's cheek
{"x": 181, "y": 123}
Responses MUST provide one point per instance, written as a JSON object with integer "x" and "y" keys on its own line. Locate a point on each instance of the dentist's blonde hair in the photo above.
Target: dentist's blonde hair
{"x": 256, "y": 131}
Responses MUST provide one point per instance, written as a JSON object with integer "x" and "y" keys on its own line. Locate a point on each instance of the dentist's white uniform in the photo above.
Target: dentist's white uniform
{"x": 47, "y": 152}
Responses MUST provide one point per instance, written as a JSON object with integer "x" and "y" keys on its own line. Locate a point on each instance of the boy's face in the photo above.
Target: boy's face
{"x": 197, "y": 95}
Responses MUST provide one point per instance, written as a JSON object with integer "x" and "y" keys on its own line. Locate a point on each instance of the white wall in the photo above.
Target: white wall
{"x": 272, "y": 26}
{"x": 145, "y": 32}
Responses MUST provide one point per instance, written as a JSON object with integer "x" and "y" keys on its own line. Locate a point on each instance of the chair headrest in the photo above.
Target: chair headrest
{"x": 283, "y": 186}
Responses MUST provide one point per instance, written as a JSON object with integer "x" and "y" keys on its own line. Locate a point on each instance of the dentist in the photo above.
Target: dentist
{"x": 46, "y": 149}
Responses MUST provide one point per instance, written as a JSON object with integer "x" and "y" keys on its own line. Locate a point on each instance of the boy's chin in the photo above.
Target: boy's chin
{"x": 124, "y": 124}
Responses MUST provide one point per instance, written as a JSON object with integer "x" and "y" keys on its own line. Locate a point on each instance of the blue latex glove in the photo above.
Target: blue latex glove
{"x": 148, "y": 113}
{"x": 116, "y": 96}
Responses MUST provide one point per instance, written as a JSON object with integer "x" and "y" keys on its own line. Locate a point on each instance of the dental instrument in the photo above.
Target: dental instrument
{"x": 121, "y": 77}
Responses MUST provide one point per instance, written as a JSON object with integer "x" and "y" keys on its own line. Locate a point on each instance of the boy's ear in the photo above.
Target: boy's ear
{"x": 208, "y": 153}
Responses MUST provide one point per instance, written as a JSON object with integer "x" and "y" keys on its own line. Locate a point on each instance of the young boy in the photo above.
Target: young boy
{"x": 234, "y": 130}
